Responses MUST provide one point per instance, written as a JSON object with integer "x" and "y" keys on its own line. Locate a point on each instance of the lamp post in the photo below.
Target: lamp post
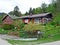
{"x": 38, "y": 34}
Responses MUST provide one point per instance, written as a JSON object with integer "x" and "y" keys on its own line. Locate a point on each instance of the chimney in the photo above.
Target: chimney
{"x": 30, "y": 14}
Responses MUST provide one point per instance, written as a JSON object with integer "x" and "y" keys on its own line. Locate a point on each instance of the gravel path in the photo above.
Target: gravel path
{"x": 52, "y": 43}
{"x": 4, "y": 36}
{"x": 4, "y": 42}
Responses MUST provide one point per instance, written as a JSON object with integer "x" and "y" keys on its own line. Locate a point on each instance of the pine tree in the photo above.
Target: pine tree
{"x": 30, "y": 11}
{"x": 16, "y": 11}
{"x": 58, "y": 5}
{"x": 44, "y": 7}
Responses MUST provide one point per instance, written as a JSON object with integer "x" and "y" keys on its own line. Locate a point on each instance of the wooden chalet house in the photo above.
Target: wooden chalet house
{"x": 37, "y": 18}
{"x": 8, "y": 19}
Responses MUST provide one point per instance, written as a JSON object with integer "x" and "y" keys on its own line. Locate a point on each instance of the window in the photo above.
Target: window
{"x": 26, "y": 20}
{"x": 36, "y": 20}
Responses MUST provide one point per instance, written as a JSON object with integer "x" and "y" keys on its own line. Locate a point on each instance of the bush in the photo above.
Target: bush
{"x": 22, "y": 34}
{"x": 33, "y": 27}
{"x": 57, "y": 18}
{"x": 2, "y": 31}
{"x": 51, "y": 30}
{"x": 28, "y": 34}
{"x": 18, "y": 24}
{"x": 48, "y": 30}
{"x": 15, "y": 33}
{"x": 8, "y": 27}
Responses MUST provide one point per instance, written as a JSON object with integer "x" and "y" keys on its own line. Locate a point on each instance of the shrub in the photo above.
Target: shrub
{"x": 48, "y": 30}
{"x": 15, "y": 33}
{"x": 57, "y": 18}
{"x": 51, "y": 30}
{"x": 8, "y": 26}
{"x": 18, "y": 24}
{"x": 32, "y": 27}
{"x": 23, "y": 34}
{"x": 2, "y": 31}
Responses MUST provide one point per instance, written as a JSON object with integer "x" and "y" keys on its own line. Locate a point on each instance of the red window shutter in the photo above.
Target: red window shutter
{"x": 23, "y": 20}
{"x": 28, "y": 20}
{"x": 33, "y": 20}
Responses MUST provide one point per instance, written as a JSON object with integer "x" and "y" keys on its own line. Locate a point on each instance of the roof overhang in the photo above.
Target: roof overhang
{"x": 35, "y": 16}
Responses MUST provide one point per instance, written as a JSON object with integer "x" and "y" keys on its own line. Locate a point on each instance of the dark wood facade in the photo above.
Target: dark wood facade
{"x": 41, "y": 18}
{"x": 7, "y": 20}
{"x": 37, "y": 18}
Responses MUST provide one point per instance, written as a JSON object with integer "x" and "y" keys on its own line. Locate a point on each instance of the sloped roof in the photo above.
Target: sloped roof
{"x": 12, "y": 16}
{"x": 28, "y": 16}
{"x": 36, "y": 15}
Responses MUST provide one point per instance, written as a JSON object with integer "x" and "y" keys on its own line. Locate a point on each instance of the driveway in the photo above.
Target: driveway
{"x": 4, "y": 42}
{"x": 52, "y": 43}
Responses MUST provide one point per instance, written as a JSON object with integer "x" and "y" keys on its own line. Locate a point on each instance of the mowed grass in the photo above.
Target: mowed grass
{"x": 42, "y": 40}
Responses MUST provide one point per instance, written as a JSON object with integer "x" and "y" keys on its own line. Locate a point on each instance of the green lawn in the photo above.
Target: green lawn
{"x": 42, "y": 40}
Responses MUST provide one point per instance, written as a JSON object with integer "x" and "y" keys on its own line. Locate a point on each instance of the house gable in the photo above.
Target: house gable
{"x": 7, "y": 20}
